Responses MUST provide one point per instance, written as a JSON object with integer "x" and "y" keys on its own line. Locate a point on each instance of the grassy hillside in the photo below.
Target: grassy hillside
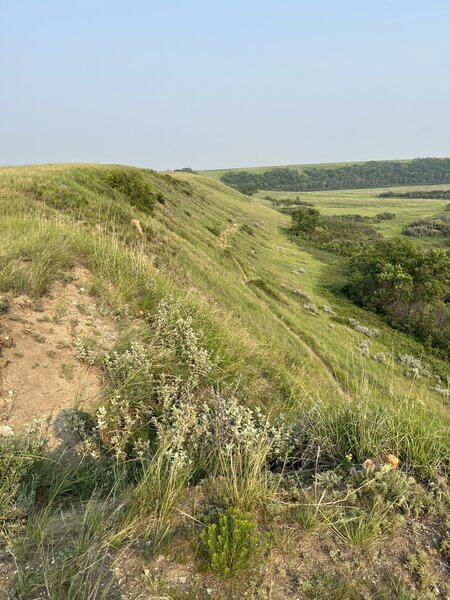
{"x": 419, "y": 171}
{"x": 232, "y": 398}
{"x": 217, "y": 173}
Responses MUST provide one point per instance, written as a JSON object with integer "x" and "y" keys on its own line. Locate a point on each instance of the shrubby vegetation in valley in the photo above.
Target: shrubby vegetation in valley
{"x": 410, "y": 285}
{"x": 341, "y": 234}
{"x": 429, "y": 227}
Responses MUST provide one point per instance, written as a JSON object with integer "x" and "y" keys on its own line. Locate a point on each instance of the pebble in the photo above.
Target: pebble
{"x": 7, "y": 341}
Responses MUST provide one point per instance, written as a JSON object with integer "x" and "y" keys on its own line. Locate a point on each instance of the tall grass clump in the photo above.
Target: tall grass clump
{"x": 362, "y": 527}
{"x": 32, "y": 256}
{"x": 63, "y": 554}
{"x": 19, "y": 457}
{"x": 372, "y": 427}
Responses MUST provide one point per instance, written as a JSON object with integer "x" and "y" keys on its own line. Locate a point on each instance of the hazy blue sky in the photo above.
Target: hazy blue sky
{"x": 218, "y": 84}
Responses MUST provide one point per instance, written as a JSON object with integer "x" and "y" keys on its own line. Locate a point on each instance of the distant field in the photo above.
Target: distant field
{"x": 217, "y": 173}
{"x": 367, "y": 203}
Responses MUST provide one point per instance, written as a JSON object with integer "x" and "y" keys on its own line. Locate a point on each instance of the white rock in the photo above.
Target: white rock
{"x": 6, "y": 431}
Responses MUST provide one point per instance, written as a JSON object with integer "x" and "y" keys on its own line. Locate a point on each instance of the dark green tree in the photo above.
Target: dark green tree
{"x": 305, "y": 220}
{"x": 410, "y": 285}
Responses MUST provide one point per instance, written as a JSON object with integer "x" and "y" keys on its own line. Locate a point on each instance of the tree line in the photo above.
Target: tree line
{"x": 420, "y": 171}
{"x": 418, "y": 194}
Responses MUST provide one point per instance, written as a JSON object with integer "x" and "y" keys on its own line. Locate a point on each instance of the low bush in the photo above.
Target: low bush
{"x": 287, "y": 204}
{"x": 133, "y": 184}
{"x": 18, "y": 458}
{"x": 368, "y": 331}
{"x": 4, "y": 304}
{"x": 385, "y": 216}
{"x": 429, "y": 227}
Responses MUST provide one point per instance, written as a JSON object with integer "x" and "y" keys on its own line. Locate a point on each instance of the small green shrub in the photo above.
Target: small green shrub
{"x": 86, "y": 350}
{"x": 4, "y": 304}
{"x": 134, "y": 185}
{"x": 18, "y": 456}
{"x": 68, "y": 277}
{"x": 232, "y": 544}
{"x": 385, "y": 216}
{"x": 160, "y": 198}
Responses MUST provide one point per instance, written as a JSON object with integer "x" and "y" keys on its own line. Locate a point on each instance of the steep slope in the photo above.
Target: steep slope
{"x": 209, "y": 307}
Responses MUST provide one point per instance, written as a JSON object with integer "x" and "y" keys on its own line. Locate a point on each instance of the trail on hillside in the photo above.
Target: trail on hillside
{"x": 314, "y": 355}
{"x": 309, "y": 349}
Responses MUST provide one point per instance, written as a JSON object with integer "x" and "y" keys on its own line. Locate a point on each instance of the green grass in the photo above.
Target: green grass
{"x": 213, "y": 272}
{"x": 269, "y": 340}
{"x": 367, "y": 203}
{"x": 217, "y": 173}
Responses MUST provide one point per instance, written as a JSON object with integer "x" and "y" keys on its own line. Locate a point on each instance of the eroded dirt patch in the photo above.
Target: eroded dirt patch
{"x": 39, "y": 371}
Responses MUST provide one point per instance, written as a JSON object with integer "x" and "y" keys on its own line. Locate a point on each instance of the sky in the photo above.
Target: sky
{"x": 210, "y": 84}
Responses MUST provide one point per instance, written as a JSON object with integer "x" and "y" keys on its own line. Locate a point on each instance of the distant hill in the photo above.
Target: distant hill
{"x": 329, "y": 176}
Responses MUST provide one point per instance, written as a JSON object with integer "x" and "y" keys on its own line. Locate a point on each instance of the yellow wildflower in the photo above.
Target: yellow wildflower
{"x": 392, "y": 461}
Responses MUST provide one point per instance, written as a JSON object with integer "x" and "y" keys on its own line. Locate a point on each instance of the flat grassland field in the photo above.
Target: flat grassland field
{"x": 366, "y": 202}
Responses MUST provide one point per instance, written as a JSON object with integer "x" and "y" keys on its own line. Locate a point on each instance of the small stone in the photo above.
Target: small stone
{"x": 6, "y": 431}
{"x": 10, "y": 392}
{"x": 182, "y": 579}
{"x": 7, "y": 342}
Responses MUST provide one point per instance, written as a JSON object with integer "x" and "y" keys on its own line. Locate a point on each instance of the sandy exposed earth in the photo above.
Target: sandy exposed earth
{"x": 39, "y": 371}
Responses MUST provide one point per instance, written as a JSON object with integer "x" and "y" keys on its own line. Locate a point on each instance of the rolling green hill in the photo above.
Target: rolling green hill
{"x": 370, "y": 174}
{"x": 238, "y": 391}
{"x": 218, "y": 173}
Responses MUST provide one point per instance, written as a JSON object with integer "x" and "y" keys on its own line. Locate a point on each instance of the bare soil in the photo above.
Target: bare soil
{"x": 39, "y": 372}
